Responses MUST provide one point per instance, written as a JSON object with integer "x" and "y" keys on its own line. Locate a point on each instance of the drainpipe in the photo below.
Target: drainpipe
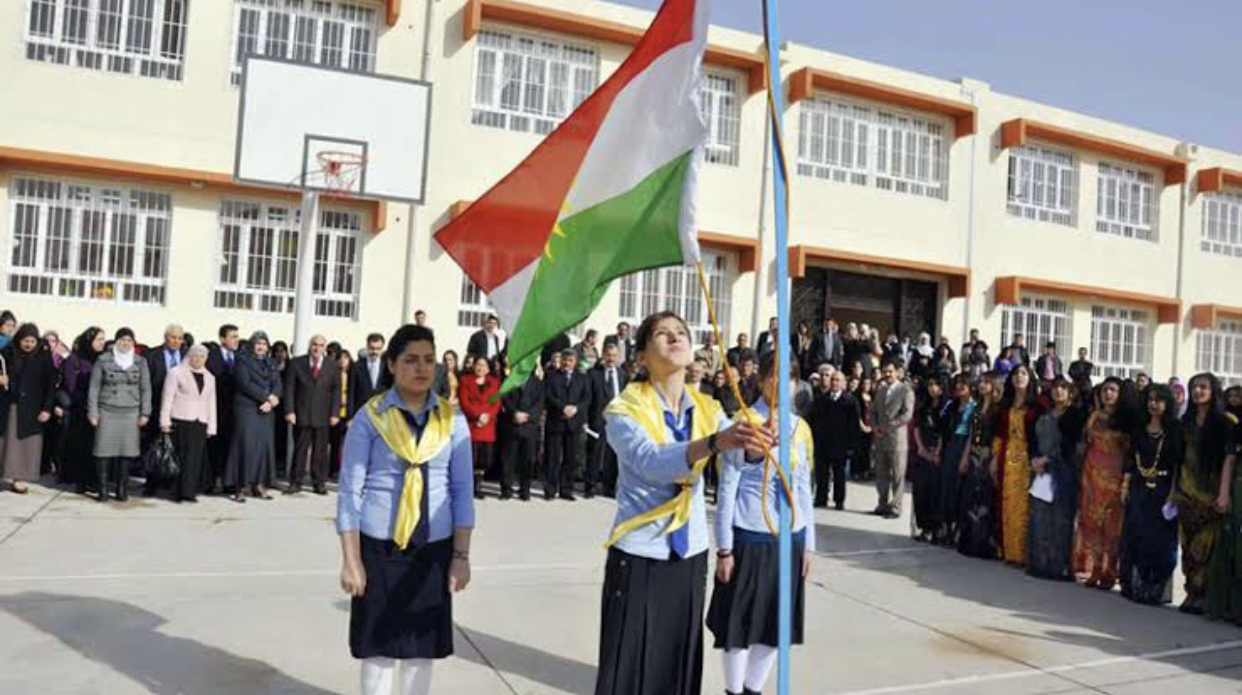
{"x": 1188, "y": 151}
{"x": 411, "y": 229}
{"x": 970, "y": 88}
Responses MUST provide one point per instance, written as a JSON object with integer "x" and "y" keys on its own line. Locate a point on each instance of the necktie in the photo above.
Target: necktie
{"x": 228, "y": 359}
{"x": 175, "y": 357}
{"x": 612, "y": 382}
{"x": 315, "y": 369}
{"x": 679, "y": 540}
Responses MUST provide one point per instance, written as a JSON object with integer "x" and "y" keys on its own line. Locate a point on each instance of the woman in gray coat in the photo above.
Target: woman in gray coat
{"x": 118, "y": 406}
{"x": 252, "y": 458}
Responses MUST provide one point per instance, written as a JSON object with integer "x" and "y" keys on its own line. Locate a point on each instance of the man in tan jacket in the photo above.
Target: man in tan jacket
{"x": 891, "y": 412}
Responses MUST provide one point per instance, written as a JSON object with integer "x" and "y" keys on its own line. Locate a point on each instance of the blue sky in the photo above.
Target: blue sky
{"x": 1170, "y": 67}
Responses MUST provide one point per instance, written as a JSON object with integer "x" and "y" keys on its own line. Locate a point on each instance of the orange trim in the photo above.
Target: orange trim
{"x": 958, "y": 278}
{"x": 1205, "y": 316}
{"x": 1216, "y": 178}
{"x": 1008, "y": 290}
{"x": 584, "y": 26}
{"x": 804, "y": 82}
{"x": 54, "y": 162}
{"x": 1018, "y": 131}
{"x": 746, "y": 248}
{"x": 393, "y": 14}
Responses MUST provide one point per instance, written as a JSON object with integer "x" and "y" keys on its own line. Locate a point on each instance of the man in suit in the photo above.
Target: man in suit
{"x": 1080, "y": 372}
{"x": 221, "y": 361}
{"x": 766, "y": 337}
{"x": 567, "y": 397}
{"x": 827, "y": 347}
{"x": 520, "y": 434}
{"x": 891, "y": 412}
{"x": 368, "y": 373}
{"x": 739, "y": 352}
{"x": 625, "y": 344}
{"x": 711, "y": 354}
{"x": 313, "y": 399}
{"x": 608, "y": 380}
{"x": 1048, "y": 367}
{"x": 160, "y": 362}
{"x": 489, "y": 342}
{"x": 835, "y": 424}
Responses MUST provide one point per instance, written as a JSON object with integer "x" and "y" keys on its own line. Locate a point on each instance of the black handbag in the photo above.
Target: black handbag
{"x": 161, "y": 462}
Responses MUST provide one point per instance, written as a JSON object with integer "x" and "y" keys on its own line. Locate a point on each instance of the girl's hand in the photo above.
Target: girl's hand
{"x": 459, "y": 575}
{"x": 806, "y": 564}
{"x": 353, "y": 579}
{"x": 724, "y": 569}
{"x": 1222, "y": 503}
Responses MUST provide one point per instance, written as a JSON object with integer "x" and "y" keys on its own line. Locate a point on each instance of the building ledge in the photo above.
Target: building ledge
{"x": 746, "y": 248}
{"x": 804, "y": 82}
{"x": 55, "y": 162}
{"x": 957, "y": 278}
{"x": 392, "y": 12}
{"x": 562, "y": 22}
{"x": 1009, "y": 290}
{"x": 1216, "y": 178}
{"x": 1205, "y": 316}
{"x": 1018, "y": 131}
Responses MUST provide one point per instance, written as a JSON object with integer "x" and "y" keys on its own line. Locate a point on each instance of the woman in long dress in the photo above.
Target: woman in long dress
{"x": 119, "y": 405}
{"x": 955, "y": 460}
{"x": 1224, "y": 593}
{"x": 976, "y": 526}
{"x": 79, "y": 436}
{"x": 405, "y": 515}
{"x": 1057, "y": 433}
{"x": 27, "y": 389}
{"x": 928, "y": 429}
{"x": 1098, "y": 542}
{"x": 256, "y": 384}
{"x": 1015, "y": 429}
{"x": 1149, "y": 538}
{"x": 655, "y": 580}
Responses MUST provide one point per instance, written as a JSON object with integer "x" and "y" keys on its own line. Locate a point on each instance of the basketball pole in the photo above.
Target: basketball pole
{"x": 304, "y": 296}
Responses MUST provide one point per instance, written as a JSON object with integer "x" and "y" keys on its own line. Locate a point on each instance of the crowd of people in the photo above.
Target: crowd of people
{"x": 1018, "y": 458}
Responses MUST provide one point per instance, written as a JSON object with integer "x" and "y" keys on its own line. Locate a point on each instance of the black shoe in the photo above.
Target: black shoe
{"x": 821, "y": 504}
{"x": 293, "y": 490}
{"x": 880, "y": 510}
{"x": 891, "y": 514}
{"x": 321, "y": 490}
{"x": 838, "y": 505}
{"x": 525, "y": 496}
{"x": 589, "y": 494}
{"x": 568, "y": 496}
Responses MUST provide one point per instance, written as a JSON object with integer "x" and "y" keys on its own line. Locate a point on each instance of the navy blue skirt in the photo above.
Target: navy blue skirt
{"x": 406, "y": 611}
{"x": 745, "y": 612}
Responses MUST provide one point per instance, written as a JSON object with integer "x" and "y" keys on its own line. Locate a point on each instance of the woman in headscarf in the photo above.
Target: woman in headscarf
{"x": 27, "y": 388}
{"x": 118, "y": 405}
{"x": 256, "y": 383}
{"x": 77, "y": 458}
{"x": 188, "y": 413}
{"x": 8, "y": 326}
{"x": 1098, "y": 542}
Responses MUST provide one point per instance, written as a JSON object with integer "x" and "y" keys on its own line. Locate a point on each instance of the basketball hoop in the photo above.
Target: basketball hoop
{"x": 340, "y": 171}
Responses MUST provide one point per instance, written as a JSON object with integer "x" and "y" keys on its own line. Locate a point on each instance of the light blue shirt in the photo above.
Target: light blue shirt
{"x": 372, "y": 477}
{"x": 741, "y": 492}
{"x": 647, "y": 475}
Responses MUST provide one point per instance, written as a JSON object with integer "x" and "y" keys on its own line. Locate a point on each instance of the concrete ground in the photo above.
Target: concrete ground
{"x": 220, "y": 598}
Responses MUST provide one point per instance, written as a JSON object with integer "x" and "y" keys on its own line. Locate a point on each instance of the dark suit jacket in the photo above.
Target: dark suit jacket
{"x": 478, "y": 345}
{"x": 361, "y": 388}
{"x": 529, "y": 400}
{"x": 313, "y": 400}
{"x": 158, "y": 367}
{"x": 225, "y": 386}
{"x": 835, "y": 425}
{"x": 1040, "y": 363}
{"x": 827, "y": 348}
{"x": 600, "y": 396}
{"x": 558, "y": 394}
{"x": 735, "y": 355}
{"x": 627, "y": 346}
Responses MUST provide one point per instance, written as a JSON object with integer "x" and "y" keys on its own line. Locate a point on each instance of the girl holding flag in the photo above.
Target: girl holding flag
{"x": 655, "y": 581}
{"x": 744, "y": 610}
{"x": 405, "y": 514}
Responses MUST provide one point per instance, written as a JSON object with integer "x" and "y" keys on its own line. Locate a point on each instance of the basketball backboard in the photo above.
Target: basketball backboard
{"x": 293, "y": 117}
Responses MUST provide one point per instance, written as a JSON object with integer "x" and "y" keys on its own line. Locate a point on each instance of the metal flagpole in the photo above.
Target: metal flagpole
{"x": 780, "y": 193}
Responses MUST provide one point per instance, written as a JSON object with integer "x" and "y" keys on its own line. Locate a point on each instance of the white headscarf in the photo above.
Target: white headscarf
{"x": 124, "y": 360}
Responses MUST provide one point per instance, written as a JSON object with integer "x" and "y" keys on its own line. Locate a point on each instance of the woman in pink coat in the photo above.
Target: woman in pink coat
{"x": 188, "y": 413}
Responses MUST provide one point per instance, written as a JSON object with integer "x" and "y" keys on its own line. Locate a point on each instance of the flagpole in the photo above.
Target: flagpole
{"x": 780, "y": 196}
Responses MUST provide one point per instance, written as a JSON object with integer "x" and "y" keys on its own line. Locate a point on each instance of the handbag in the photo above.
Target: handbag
{"x": 160, "y": 461}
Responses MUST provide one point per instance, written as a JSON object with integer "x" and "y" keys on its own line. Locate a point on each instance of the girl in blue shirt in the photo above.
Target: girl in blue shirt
{"x": 405, "y": 514}
{"x": 744, "y": 611}
{"x": 655, "y": 581}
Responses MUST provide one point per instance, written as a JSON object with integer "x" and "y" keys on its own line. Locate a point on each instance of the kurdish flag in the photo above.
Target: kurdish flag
{"x": 609, "y": 192}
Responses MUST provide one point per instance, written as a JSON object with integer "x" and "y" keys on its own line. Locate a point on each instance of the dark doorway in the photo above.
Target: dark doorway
{"x": 891, "y": 305}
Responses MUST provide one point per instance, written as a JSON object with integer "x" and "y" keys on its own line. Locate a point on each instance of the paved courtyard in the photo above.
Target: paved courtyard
{"x": 220, "y": 598}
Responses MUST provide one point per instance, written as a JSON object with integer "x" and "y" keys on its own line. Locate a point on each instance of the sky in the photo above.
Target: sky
{"x": 1167, "y": 66}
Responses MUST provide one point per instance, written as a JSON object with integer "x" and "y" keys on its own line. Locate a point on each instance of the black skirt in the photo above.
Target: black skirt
{"x": 651, "y": 632}
{"x": 406, "y": 611}
{"x": 745, "y": 612}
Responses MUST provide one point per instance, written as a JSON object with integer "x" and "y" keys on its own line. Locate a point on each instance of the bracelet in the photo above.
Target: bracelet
{"x": 712, "y": 445}
{"x": 461, "y": 555}
{"x": 724, "y": 553}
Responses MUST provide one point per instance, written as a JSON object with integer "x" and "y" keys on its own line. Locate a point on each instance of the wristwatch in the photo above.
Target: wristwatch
{"x": 711, "y": 443}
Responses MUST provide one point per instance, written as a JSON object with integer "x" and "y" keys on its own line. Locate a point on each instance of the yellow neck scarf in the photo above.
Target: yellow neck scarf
{"x": 640, "y": 402}
{"x": 396, "y": 433}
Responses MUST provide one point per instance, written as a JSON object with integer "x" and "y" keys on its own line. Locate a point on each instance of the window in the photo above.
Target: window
{"x": 1222, "y": 223}
{"x": 1126, "y": 203}
{"x": 676, "y": 288}
{"x": 529, "y": 84}
{"x": 1039, "y": 320}
{"x": 1120, "y": 341}
{"x": 131, "y": 37}
{"x": 321, "y": 32}
{"x": 721, "y": 110}
{"x": 99, "y": 242}
{"x": 1043, "y": 185}
{"x": 849, "y": 143}
{"x": 257, "y": 259}
{"x": 473, "y": 306}
{"x": 1220, "y": 351}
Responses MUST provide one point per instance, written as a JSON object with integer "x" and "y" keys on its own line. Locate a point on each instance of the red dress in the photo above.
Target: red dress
{"x": 476, "y": 400}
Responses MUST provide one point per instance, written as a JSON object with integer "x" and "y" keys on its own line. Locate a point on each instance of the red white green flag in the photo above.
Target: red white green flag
{"x": 610, "y": 192}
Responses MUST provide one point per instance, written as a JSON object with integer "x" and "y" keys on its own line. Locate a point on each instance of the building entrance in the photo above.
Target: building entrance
{"x": 892, "y": 305}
